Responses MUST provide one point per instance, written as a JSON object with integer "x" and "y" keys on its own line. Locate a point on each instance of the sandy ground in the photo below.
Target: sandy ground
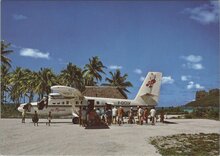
{"x": 64, "y": 138}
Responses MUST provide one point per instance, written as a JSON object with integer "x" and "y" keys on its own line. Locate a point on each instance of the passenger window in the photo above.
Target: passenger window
{"x": 77, "y": 102}
{"x": 63, "y": 103}
{"x": 97, "y": 102}
{"x": 67, "y": 102}
{"x": 58, "y": 103}
{"x": 54, "y": 103}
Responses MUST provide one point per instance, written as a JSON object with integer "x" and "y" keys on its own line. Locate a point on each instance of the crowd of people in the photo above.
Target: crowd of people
{"x": 110, "y": 116}
{"x": 119, "y": 116}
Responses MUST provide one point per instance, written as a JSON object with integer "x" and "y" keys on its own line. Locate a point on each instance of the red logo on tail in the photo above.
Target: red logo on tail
{"x": 152, "y": 80}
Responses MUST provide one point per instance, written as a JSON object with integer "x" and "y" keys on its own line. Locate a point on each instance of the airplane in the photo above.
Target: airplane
{"x": 66, "y": 100}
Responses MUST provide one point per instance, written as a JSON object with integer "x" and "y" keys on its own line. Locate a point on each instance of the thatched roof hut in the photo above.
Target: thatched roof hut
{"x": 104, "y": 91}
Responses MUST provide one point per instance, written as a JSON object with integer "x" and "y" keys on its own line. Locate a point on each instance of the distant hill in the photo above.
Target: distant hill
{"x": 205, "y": 99}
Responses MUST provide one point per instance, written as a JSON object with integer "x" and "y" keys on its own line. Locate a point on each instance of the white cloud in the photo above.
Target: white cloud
{"x": 35, "y": 53}
{"x": 197, "y": 66}
{"x": 193, "y": 62}
{"x": 204, "y": 14}
{"x": 19, "y": 17}
{"x": 138, "y": 71}
{"x": 186, "y": 77}
{"x": 142, "y": 78}
{"x": 198, "y": 86}
{"x": 192, "y": 58}
{"x": 192, "y": 85}
{"x": 115, "y": 67}
{"x": 167, "y": 80}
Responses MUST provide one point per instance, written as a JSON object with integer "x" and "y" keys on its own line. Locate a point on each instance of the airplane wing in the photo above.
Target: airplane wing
{"x": 67, "y": 91}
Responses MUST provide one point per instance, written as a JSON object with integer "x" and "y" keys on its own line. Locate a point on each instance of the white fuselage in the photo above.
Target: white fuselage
{"x": 66, "y": 106}
{"x": 98, "y": 101}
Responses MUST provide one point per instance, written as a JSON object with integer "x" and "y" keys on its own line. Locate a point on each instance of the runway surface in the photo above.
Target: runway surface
{"x": 64, "y": 138}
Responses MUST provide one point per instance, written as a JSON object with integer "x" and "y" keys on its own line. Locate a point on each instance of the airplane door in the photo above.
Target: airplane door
{"x": 91, "y": 105}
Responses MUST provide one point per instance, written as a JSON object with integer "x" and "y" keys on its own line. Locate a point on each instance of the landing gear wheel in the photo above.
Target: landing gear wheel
{"x": 75, "y": 120}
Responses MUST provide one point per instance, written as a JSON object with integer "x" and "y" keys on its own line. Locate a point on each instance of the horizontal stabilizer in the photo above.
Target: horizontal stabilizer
{"x": 148, "y": 99}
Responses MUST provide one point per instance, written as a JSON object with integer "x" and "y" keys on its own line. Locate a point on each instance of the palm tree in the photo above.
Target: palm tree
{"x": 72, "y": 76}
{"x": 119, "y": 81}
{"x": 45, "y": 79}
{"x": 16, "y": 83}
{"x": 4, "y": 60}
{"x": 93, "y": 71}
{"x": 29, "y": 84}
{"x": 5, "y": 75}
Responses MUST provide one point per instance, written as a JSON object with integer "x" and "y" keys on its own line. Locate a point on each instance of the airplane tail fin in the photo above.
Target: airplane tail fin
{"x": 149, "y": 92}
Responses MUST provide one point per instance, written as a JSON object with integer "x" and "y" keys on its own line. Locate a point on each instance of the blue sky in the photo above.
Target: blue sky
{"x": 178, "y": 38}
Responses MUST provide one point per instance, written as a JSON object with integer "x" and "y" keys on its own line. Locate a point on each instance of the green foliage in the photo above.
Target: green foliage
{"x": 9, "y": 110}
{"x": 5, "y": 61}
{"x": 207, "y": 113}
{"x": 72, "y": 76}
{"x": 5, "y": 76}
{"x": 92, "y": 71}
{"x": 119, "y": 81}
{"x": 187, "y": 144}
{"x": 172, "y": 111}
{"x": 188, "y": 116}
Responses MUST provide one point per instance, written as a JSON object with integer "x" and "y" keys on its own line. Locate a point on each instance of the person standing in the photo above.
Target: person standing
{"x": 114, "y": 115}
{"x": 35, "y": 118}
{"x": 162, "y": 115}
{"x": 140, "y": 115}
{"x": 120, "y": 115}
{"x": 108, "y": 117}
{"x": 80, "y": 115}
{"x": 131, "y": 116}
{"x": 23, "y": 116}
{"x": 83, "y": 117}
{"x": 49, "y": 119}
{"x": 153, "y": 115}
{"x": 146, "y": 115}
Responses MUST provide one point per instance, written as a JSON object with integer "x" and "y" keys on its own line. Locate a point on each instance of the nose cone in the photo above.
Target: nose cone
{"x": 20, "y": 109}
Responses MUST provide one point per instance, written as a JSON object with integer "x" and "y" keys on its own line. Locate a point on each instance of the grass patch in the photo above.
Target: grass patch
{"x": 187, "y": 144}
